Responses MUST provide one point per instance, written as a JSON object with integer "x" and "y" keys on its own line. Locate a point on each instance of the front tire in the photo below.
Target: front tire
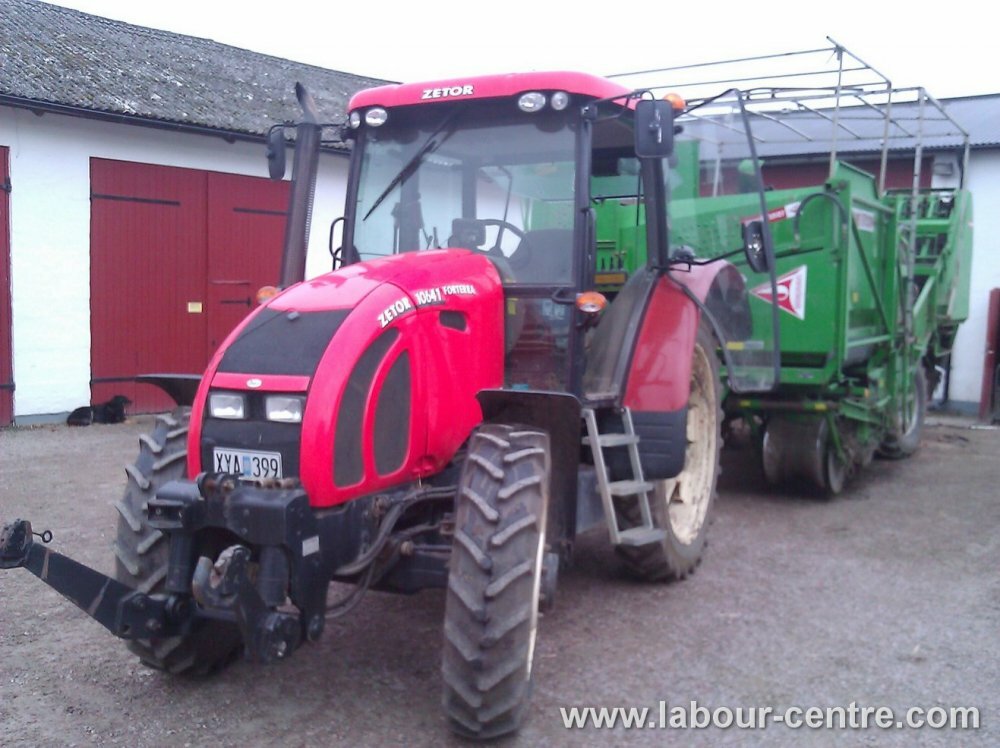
{"x": 904, "y": 439}
{"x": 491, "y": 612}
{"x": 681, "y": 506}
{"x": 141, "y": 552}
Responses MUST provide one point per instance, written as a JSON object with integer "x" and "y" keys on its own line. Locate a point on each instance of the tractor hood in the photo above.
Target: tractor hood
{"x": 387, "y": 357}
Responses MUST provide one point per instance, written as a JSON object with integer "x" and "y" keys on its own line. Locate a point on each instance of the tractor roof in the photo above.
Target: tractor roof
{"x": 486, "y": 87}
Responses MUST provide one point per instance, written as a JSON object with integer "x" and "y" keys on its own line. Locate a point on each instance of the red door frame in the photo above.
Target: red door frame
{"x": 988, "y": 394}
{"x": 6, "y": 320}
{"x": 177, "y": 256}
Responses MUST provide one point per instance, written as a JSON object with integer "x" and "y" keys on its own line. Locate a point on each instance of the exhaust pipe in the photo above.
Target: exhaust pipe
{"x": 300, "y": 202}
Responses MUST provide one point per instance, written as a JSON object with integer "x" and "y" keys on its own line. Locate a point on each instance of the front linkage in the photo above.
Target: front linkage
{"x": 284, "y": 552}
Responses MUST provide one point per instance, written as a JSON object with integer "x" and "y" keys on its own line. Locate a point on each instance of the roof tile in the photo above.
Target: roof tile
{"x": 55, "y": 55}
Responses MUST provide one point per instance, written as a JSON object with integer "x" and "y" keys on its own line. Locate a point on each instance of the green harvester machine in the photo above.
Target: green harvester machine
{"x": 872, "y": 255}
{"x": 874, "y": 284}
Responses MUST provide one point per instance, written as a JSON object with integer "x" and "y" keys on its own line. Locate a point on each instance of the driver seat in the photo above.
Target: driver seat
{"x": 544, "y": 257}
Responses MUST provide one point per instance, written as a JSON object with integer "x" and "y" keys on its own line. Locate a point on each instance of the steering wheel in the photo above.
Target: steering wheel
{"x": 503, "y": 226}
{"x": 514, "y": 310}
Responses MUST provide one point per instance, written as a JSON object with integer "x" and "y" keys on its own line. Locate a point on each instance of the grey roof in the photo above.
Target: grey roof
{"x": 861, "y": 129}
{"x": 63, "y": 57}
{"x": 793, "y": 123}
{"x": 980, "y": 116}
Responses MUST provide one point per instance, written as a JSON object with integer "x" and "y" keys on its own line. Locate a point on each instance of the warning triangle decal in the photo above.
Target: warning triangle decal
{"x": 791, "y": 292}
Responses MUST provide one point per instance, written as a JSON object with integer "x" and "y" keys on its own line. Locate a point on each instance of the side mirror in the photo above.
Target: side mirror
{"x": 654, "y": 128}
{"x": 276, "y": 152}
{"x": 753, "y": 246}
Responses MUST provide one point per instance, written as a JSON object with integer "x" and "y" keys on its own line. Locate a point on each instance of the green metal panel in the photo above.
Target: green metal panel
{"x": 960, "y": 270}
{"x": 621, "y": 235}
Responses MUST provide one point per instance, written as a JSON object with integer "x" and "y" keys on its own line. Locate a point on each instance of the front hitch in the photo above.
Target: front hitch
{"x": 268, "y": 634}
{"x": 125, "y": 612}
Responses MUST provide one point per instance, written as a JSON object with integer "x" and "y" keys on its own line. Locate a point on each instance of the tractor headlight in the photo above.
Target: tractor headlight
{"x": 283, "y": 408}
{"x": 376, "y": 117}
{"x": 227, "y": 405}
{"x": 559, "y": 100}
{"x": 532, "y": 101}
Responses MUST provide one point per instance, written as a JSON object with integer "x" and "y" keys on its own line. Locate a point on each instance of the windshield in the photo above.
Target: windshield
{"x": 485, "y": 177}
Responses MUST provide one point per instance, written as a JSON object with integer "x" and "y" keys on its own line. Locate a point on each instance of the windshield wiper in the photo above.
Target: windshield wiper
{"x": 410, "y": 166}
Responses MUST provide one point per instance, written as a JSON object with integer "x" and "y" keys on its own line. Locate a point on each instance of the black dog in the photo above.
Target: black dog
{"x": 113, "y": 411}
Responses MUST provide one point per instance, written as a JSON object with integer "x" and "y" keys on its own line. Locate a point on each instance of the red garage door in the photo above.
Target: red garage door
{"x": 6, "y": 357}
{"x": 176, "y": 258}
{"x": 898, "y": 174}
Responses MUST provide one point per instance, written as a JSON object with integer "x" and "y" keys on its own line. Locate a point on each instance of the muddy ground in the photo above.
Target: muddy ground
{"x": 886, "y": 596}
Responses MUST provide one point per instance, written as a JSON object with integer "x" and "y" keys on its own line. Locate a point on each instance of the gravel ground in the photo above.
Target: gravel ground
{"x": 887, "y": 596}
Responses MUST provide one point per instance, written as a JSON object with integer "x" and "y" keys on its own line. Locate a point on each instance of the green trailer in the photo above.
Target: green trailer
{"x": 872, "y": 282}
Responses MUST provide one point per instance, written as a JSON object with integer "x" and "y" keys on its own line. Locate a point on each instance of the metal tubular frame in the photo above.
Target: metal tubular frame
{"x": 842, "y": 91}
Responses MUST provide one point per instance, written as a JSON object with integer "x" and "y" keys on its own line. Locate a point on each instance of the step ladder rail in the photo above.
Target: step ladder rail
{"x": 601, "y": 469}
{"x": 633, "y": 454}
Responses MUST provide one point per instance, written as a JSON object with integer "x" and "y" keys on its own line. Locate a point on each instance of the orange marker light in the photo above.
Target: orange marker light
{"x": 675, "y": 101}
{"x": 266, "y": 293}
{"x": 591, "y": 302}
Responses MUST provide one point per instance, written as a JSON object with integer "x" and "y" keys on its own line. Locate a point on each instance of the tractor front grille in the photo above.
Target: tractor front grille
{"x": 255, "y": 434}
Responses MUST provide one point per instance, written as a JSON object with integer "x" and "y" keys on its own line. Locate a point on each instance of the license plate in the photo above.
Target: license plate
{"x": 247, "y": 464}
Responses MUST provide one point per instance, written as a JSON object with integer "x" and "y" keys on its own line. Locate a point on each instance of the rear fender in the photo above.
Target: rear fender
{"x": 659, "y": 379}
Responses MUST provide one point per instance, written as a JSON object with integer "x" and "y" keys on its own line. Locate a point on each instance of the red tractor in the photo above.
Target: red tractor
{"x": 510, "y": 353}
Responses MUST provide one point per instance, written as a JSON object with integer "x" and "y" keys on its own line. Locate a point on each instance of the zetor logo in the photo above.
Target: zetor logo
{"x": 441, "y": 93}
{"x": 791, "y": 289}
{"x": 397, "y": 308}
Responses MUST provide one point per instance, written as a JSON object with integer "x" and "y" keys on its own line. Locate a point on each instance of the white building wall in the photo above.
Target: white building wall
{"x": 970, "y": 345}
{"x": 50, "y": 234}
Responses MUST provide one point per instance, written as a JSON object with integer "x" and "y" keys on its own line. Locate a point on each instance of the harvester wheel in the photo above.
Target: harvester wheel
{"x": 682, "y": 505}
{"x": 142, "y": 552}
{"x": 835, "y": 472}
{"x": 804, "y": 448}
{"x": 903, "y": 442}
{"x": 491, "y": 612}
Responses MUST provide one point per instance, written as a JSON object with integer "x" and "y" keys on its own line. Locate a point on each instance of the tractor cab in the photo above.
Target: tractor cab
{"x": 551, "y": 179}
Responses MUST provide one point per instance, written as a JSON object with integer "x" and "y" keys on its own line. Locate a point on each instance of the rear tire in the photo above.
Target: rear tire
{"x": 491, "y": 612}
{"x": 141, "y": 552}
{"x": 682, "y": 505}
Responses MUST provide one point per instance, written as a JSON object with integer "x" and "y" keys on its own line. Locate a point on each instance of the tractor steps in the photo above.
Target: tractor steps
{"x": 613, "y": 440}
{"x": 635, "y": 488}
{"x": 637, "y": 536}
{"x": 629, "y": 487}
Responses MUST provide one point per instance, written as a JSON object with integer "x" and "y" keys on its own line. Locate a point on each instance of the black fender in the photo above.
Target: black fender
{"x": 558, "y": 414}
{"x": 182, "y": 388}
